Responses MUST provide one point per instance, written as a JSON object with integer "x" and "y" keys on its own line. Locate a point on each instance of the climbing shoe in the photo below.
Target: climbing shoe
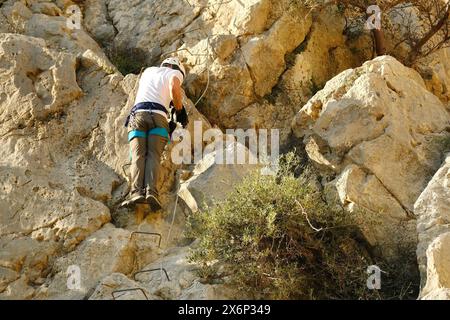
{"x": 152, "y": 199}
{"x": 133, "y": 200}
{"x": 137, "y": 198}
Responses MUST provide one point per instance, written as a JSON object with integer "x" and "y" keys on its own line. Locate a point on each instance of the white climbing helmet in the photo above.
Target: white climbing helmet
{"x": 175, "y": 62}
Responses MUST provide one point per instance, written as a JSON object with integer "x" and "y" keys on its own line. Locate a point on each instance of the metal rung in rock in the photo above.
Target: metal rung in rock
{"x": 128, "y": 290}
{"x": 151, "y": 270}
{"x": 149, "y": 234}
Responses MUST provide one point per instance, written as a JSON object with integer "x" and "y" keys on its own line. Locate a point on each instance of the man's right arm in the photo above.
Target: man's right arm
{"x": 176, "y": 93}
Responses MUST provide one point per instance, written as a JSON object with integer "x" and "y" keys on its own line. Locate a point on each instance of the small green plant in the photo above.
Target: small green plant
{"x": 279, "y": 239}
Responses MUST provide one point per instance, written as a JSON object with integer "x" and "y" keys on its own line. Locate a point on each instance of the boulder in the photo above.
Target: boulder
{"x": 381, "y": 217}
{"x": 432, "y": 210}
{"x": 211, "y": 181}
{"x": 375, "y": 129}
{"x": 438, "y": 269}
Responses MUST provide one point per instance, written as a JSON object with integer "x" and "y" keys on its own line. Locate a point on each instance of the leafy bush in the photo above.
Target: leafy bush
{"x": 278, "y": 239}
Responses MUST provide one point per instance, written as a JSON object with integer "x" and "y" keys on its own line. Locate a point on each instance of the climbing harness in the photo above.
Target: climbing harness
{"x": 145, "y": 107}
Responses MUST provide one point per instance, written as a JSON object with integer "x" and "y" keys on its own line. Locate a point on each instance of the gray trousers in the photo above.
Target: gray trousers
{"x": 146, "y": 152}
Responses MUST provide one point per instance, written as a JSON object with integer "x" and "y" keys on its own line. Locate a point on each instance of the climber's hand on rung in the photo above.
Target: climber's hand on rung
{"x": 182, "y": 117}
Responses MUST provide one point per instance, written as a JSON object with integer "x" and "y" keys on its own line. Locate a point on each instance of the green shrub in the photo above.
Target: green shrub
{"x": 278, "y": 239}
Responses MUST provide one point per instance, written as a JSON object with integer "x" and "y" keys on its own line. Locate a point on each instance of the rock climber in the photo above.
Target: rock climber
{"x": 149, "y": 129}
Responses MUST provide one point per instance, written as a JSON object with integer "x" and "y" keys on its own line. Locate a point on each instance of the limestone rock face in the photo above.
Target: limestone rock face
{"x": 433, "y": 215}
{"x": 106, "y": 251}
{"x": 33, "y": 80}
{"x": 63, "y": 149}
{"x": 97, "y": 21}
{"x": 324, "y": 55}
{"x": 264, "y": 54}
{"x": 435, "y": 70}
{"x": 273, "y": 51}
{"x": 49, "y": 21}
{"x": 263, "y": 32}
{"x": 60, "y": 107}
{"x": 24, "y": 261}
{"x": 53, "y": 196}
{"x": 378, "y": 129}
{"x": 146, "y": 25}
{"x": 376, "y": 132}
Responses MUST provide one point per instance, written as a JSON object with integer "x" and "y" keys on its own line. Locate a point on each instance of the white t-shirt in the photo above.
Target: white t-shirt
{"x": 154, "y": 86}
